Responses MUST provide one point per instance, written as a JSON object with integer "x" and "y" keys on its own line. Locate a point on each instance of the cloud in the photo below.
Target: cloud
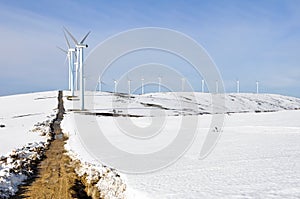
{"x": 248, "y": 40}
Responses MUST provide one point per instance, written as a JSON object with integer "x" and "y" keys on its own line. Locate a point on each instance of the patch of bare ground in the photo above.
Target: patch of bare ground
{"x": 55, "y": 175}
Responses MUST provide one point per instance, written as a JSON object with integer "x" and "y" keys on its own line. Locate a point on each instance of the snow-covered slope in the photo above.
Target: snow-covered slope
{"x": 186, "y": 103}
{"x": 256, "y": 157}
{"x": 24, "y": 134}
{"x": 19, "y": 114}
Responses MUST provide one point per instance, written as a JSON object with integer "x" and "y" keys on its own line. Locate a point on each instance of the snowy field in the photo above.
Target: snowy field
{"x": 24, "y": 134}
{"x": 19, "y": 114}
{"x": 257, "y": 156}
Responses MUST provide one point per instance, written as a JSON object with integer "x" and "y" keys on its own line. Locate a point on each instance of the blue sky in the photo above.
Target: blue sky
{"x": 248, "y": 40}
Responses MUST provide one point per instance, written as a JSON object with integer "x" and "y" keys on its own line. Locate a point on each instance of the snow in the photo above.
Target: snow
{"x": 18, "y": 166}
{"x": 19, "y": 113}
{"x": 257, "y": 156}
{"x": 107, "y": 180}
{"x": 186, "y": 103}
{"x": 24, "y": 136}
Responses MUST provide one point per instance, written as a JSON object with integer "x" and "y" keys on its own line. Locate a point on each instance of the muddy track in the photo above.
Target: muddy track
{"x": 55, "y": 176}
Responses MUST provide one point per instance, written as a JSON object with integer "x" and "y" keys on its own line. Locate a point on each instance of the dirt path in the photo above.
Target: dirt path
{"x": 55, "y": 177}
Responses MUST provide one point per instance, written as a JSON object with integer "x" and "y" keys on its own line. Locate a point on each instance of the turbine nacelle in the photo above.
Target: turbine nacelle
{"x": 81, "y": 46}
{"x": 71, "y": 49}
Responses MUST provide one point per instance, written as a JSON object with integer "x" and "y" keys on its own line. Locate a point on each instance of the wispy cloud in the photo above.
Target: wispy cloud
{"x": 248, "y": 40}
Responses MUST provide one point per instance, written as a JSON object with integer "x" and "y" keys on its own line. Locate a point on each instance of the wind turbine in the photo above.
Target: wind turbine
{"x": 257, "y": 82}
{"x": 159, "y": 84}
{"x": 202, "y": 85}
{"x": 182, "y": 84}
{"x": 142, "y": 85}
{"x": 99, "y": 84}
{"x": 71, "y": 55}
{"x": 129, "y": 86}
{"x": 238, "y": 86}
{"x": 217, "y": 86}
{"x": 79, "y": 47}
{"x": 115, "y": 82}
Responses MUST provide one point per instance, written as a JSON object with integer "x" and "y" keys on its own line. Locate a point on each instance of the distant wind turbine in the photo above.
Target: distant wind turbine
{"x": 237, "y": 86}
{"x": 115, "y": 87}
{"x": 182, "y": 84}
{"x": 99, "y": 84}
{"x": 79, "y": 48}
{"x": 129, "y": 86}
{"x": 217, "y": 86}
{"x": 159, "y": 84}
{"x": 202, "y": 85}
{"x": 142, "y": 85}
{"x": 257, "y": 82}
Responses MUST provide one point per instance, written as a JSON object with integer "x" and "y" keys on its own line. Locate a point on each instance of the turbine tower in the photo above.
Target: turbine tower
{"x": 217, "y": 86}
{"x": 71, "y": 55}
{"x": 237, "y": 86}
{"x": 182, "y": 84}
{"x": 202, "y": 85}
{"x": 142, "y": 85}
{"x": 99, "y": 84}
{"x": 99, "y": 87}
{"x": 79, "y": 48}
{"x": 115, "y": 82}
{"x": 257, "y": 87}
{"x": 129, "y": 86}
{"x": 159, "y": 84}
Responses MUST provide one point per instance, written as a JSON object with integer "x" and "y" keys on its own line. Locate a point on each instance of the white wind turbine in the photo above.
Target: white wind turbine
{"x": 257, "y": 84}
{"x": 217, "y": 86}
{"x": 142, "y": 85}
{"x": 182, "y": 84}
{"x": 99, "y": 84}
{"x": 79, "y": 48}
{"x": 238, "y": 86}
{"x": 115, "y": 86}
{"x": 202, "y": 85}
{"x": 71, "y": 55}
{"x": 129, "y": 86}
{"x": 159, "y": 84}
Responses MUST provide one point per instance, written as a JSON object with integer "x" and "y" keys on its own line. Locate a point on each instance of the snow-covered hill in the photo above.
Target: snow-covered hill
{"x": 24, "y": 134}
{"x": 186, "y": 103}
{"x": 257, "y": 155}
{"x": 19, "y": 114}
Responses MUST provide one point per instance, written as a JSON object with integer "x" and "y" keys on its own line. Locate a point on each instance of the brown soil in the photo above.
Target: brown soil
{"x": 55, "y": 177}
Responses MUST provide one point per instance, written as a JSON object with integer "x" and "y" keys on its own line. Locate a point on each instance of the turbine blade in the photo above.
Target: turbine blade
{"x": 68, "y": 43}
{"x": 84, "y": 38}
{"x": 62, "y": 49}
{"x": 72, "y": 37}
{"x": 66, "y": 60}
